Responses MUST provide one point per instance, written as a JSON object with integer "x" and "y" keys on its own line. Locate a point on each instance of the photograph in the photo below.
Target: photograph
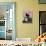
{"x": 27, "y": 16}
{"x": 7, "y": 27}
{"x": 42, "y": 21}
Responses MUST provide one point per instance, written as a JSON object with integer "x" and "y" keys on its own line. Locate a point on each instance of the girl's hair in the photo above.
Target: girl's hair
{"x": 42, "y": 35}
{"x": 44, "y": 40}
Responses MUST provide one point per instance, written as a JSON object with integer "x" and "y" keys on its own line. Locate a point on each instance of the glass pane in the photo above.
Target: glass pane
{"x": 42, "y": 17}
{"x": 40, "y": 29}
{"x": 2, "y": 35}
{"x": 9, "y": 34}
{"x": 9, "y": 24}
{"x": 42, "y": 1}
{"x": 7, "y": 14}
{"x": 43, "y": 28}
{"x": 2, "y": 23}
{"x": 2, "y": 28}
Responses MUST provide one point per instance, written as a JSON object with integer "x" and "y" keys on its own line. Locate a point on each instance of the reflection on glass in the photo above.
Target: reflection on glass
{"x": 42, "y": 21}
{"x": 40, "y": 29}
{"x": 7, "y": 25}
{"x": 2, "y": 23}
{"x": 2, "y": 13}
{"x": 2, "y": 28}
{"x": 2, "y": 35}
{"x": 9, "y": 34}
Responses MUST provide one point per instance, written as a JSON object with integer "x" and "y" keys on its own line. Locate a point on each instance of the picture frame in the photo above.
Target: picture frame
{"x": 7, "y": 23}
{"x": 27, "y": 16}
{"x": 42, "y": 22}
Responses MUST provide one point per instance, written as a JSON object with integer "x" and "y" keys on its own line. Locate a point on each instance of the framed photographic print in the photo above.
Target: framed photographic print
{"x": 42, "y": 1}
{"x": 42, "y": 22}
{"x": 7, "y": 20}
{"x": 27, "y": 16}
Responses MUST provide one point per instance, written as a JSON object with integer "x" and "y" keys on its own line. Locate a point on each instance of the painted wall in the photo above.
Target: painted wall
{"x": 27, "y": 30}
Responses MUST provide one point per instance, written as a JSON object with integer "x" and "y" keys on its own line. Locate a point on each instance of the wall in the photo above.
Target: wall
{"x": 27, "y": 30}
{"x": 24, "y": 30}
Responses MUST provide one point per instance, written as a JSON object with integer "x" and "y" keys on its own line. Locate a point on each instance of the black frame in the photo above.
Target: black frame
{"x": 39, "y": 21}
{"x": 40, "y": 2}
